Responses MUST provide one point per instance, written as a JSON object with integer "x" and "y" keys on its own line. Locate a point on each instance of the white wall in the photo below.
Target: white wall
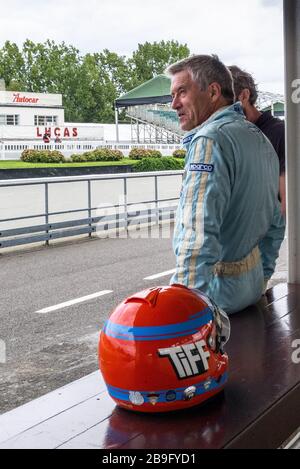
{"x": 22, "y": 98}
{"x": 26, "y": 114}
{"x": 74, "y": 131}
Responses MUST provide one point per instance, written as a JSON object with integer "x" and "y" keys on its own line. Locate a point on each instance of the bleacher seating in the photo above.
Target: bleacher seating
{"x": 161, "y": 117}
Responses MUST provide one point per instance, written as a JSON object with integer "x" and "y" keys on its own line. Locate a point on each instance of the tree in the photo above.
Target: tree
{"x": 53, "y": 68}
{"x": 11, "y": 65}
{"x": 90, "y": 83}
{"x": 150, "y": 60}
{"x": 96, "y": 94}
{"x": 117, "y": 69}
{"x": 49, "y": 67}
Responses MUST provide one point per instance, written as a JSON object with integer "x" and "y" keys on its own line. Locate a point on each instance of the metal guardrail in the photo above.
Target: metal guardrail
{"x": 125, "y": 215}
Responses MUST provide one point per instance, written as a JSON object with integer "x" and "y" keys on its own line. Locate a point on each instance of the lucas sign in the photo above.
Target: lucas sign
{"x": 61, "y": 132}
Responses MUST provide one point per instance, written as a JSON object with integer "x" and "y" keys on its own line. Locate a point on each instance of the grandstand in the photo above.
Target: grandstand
{"x": 153, "y": 121}
{"x": 273, "y": 102}
{"x": 148, "y": 107}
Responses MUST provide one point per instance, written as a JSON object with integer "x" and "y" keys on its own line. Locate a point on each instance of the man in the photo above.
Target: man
{"x": 46, "y": 138}
{"x": 228, "y": 226}
{"x": 245, "y": 91}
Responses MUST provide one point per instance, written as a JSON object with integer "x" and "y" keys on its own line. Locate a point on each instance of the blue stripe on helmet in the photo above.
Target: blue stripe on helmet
{"x": 123, "y": 394}
{"x": 169, "y": 331}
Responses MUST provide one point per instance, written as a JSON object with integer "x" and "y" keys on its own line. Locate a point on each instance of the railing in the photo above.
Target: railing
{"x": 164, "y": 118}
{"x": 12, "y": 149}
{"x": 41, "y": 210}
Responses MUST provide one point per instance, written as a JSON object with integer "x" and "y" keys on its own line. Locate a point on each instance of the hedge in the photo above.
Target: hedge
{"x": 155, "y": 164}
{"x": 141, "y": 153}
{"x": 101, "y": 154}
{"x": 42, "y": 156}
{"x": 179, "y": 153}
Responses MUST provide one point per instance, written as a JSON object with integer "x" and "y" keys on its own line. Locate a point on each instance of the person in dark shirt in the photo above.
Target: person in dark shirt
{"x": 46, "y": 138}
{"x": 246, "y": 92}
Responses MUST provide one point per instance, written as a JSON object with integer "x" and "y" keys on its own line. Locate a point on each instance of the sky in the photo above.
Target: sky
{"x": 247, "y": 33}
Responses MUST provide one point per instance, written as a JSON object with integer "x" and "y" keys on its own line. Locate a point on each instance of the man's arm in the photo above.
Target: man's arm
{"x": 282, "y": 193}
{"x": 281, "y": 155}
{"x": 203, "y": 203}
{"x": 269, "y": 246}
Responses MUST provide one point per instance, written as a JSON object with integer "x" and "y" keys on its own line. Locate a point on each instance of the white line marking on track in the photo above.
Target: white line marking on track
{"x": 73, "y": 302}
{"x": 161, "y": 274}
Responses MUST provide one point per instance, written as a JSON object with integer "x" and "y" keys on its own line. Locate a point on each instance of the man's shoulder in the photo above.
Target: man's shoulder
{"x": 230, "y": 124}
{"x": 211, "y": 129}
{"x": 268, "y": 121}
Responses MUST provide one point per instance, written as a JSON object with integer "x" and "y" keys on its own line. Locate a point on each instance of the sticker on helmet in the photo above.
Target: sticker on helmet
{"x": 207, "y": 384}
{"x": 153, "y": 398}
{"x": 188, "y": 359}
{"x": 170, "y": 396}
{"x": 136, "y": 398}
{"x": 189, "y": 393}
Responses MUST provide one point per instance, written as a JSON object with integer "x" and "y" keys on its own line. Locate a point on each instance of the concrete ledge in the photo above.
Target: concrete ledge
{"x": 62, "y": 171}
{"x": 260, "y": 407}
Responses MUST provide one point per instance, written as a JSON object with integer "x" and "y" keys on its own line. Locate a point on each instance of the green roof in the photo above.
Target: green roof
{"x": 156, "y": 90}
{"x": 278, "y": 106}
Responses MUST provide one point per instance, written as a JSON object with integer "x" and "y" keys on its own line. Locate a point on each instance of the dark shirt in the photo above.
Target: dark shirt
{"x": 273, "y": 128}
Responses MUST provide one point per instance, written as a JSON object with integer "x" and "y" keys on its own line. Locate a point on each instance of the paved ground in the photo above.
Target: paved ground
{"x": 46, "y": 351}
{"x": 280, "y": 274}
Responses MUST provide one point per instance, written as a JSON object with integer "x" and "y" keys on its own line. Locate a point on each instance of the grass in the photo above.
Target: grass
{"x": 17, "y": 164}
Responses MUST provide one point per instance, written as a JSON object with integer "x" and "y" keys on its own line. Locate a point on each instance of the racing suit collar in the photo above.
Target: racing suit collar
{"x": 236, "y": 107}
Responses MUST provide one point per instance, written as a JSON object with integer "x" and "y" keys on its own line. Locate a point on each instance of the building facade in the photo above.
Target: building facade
{"x": 31, "y": 116}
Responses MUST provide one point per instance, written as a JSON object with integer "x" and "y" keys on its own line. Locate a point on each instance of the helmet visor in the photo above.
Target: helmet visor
{"x": 225, "y": 325}
{"x": 220, "y": 317}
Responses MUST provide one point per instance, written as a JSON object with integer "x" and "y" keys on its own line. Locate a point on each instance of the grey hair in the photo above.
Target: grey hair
{"x": 206, "y": 69}
{"x": 243, "y": 80}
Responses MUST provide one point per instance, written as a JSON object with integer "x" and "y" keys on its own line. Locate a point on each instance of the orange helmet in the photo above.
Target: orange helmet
{"x": 161, "y": 349}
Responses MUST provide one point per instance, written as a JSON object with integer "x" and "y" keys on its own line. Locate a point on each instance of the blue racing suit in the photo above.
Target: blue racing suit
{"x": 229, "y": 227}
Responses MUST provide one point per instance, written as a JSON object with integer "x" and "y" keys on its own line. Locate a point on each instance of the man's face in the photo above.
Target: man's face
{"x": 193, "y": 106}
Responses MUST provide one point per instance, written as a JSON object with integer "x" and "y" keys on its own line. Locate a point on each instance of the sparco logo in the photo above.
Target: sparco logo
{"x": 207, "y": 168}
{"x": 187, "y": 360}
{"x": 23, "y": 99}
